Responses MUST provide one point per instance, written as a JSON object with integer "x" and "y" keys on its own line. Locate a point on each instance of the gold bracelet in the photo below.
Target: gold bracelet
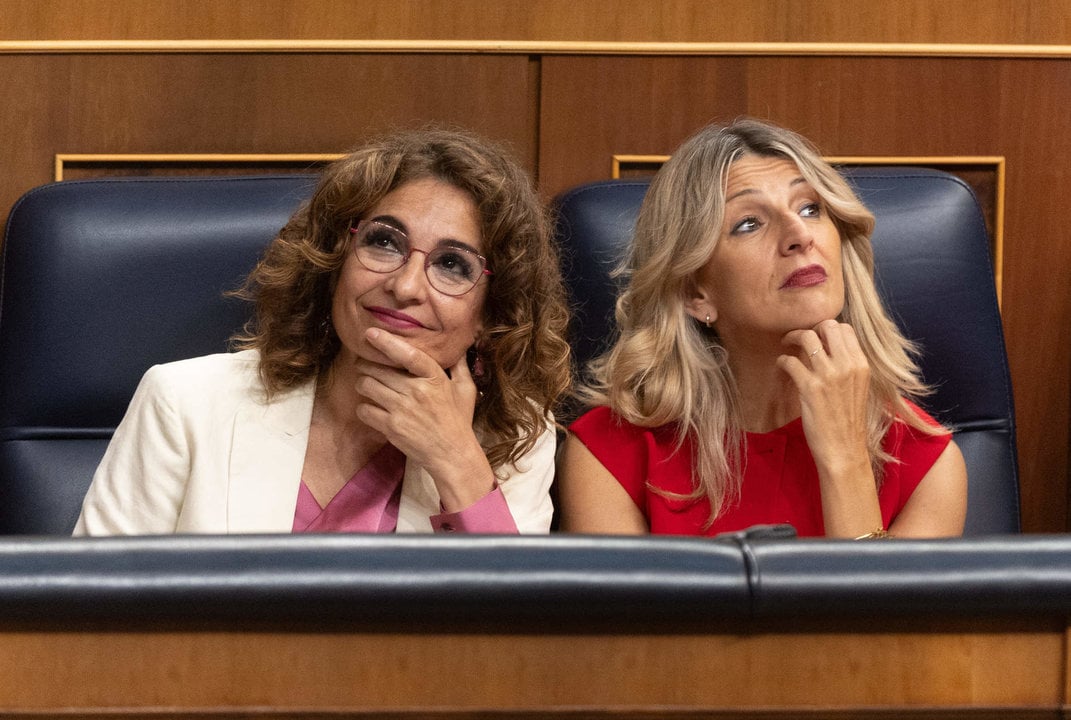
{"x": 876, "y": 535}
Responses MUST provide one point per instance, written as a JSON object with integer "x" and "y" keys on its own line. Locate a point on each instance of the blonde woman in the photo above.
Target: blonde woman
{"x": 757, "y": 377}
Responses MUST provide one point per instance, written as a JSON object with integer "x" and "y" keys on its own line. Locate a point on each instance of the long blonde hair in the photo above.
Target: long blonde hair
{"x": 668, "y": 369}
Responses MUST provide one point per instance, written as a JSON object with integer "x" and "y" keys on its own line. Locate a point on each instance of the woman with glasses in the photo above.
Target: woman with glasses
{"x": 757, "y": 378}
{"x": 398, "y": 374}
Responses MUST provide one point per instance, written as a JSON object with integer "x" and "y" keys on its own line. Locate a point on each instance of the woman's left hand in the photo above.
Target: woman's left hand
{"x": 427, "y": 414}
{"x": 832, "y": 376}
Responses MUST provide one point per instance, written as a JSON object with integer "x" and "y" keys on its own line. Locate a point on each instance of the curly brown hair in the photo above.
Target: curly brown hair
{"x": 525, "y": 356}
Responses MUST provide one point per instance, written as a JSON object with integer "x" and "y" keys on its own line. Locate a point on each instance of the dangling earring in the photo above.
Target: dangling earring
{"x": 707, "y": 321}
{"x": 477, "y": 369}
{"x": 476, "y": 366}
{"x": 325, "y": 330}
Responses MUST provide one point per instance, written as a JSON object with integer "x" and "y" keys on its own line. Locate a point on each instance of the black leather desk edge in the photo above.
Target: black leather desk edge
{"x": 556, "y": 582}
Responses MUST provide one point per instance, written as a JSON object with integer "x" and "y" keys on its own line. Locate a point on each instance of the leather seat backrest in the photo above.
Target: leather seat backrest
{"x": 100, "y": 280}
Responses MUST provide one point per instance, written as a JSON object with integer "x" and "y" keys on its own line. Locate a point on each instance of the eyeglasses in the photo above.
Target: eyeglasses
{"x": 450, "y": 269}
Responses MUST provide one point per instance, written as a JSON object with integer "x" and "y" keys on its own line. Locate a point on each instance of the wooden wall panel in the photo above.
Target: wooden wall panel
{"x": 935, "y": 672}
{"x": 917, "y": 21}
{"x": 211, "y": 103}
{"x": 873, "y": 106}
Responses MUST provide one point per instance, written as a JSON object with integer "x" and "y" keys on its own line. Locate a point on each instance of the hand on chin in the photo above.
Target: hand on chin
{"x": 370, "y": 353}
{"x": 385, "y": 348}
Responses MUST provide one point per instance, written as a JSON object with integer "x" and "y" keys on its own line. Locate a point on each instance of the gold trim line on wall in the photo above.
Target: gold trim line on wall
{"x": 252, "y": 159}
{"x": 648, "y": 164}
{"x": 539, "y": 47}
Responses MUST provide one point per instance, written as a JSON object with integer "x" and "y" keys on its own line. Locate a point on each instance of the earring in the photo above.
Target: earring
{"x": 325, "y": 329}
{"x": 707, "y": 322}
{"x": 474, "y": 357}
{"x": 478, "y": 370}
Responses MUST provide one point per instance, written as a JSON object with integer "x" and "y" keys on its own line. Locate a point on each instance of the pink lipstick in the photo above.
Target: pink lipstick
{"x": 805, "y": 277}
{"x": 394, "y": 318}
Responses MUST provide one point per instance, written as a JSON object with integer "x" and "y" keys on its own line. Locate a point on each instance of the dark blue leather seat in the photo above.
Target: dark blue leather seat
{"x": 556, "y": 583}
{"x": 934, "y": 272}
{"x": 101, "y": 279}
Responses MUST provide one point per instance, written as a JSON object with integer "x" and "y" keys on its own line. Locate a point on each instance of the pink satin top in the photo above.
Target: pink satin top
{"x": 369, "y": 502}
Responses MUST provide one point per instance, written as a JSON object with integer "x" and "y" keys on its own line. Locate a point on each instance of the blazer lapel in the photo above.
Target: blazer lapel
{"x": 267, "y": 455}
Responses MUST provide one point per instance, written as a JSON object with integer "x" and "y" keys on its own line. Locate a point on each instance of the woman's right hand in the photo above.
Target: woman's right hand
{"x": 427, "y": 414}
{"x": 832, "y": 375}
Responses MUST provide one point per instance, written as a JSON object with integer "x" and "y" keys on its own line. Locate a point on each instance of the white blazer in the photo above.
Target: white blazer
{"x": 201, "y": 451}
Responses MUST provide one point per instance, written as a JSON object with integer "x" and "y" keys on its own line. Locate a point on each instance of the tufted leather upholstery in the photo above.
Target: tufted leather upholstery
{"x": 101, "y": 279}
{"x": 933, "y": 270}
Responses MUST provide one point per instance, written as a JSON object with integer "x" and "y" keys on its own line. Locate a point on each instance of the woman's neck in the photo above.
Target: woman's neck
{"x": 336, "y": 401}
{"x": 339, "y": 443}
{"x": 767, "y": 397}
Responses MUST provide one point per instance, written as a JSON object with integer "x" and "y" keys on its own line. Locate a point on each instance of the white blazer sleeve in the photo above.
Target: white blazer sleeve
{"x": 526, "y": 486}
{"x": 140, "y": 484}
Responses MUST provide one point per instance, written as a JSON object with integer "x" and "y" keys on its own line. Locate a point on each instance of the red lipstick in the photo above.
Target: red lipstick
{"x": 805, "y": 277}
